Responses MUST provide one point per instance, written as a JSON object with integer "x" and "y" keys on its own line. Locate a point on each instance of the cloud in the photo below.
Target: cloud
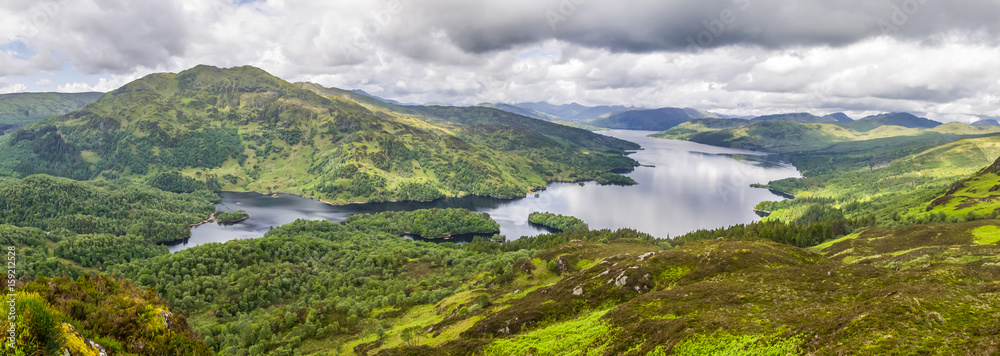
{"x": 674, "y": 25}
{"x": 13, "y": 88}
{"x": 733, "y": 56}
{"x": 102, "y": 85}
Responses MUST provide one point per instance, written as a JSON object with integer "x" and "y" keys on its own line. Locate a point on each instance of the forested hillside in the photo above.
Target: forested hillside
{"x": 243, "y": 129}
{"x": 347, "y": 289}
{"x": 18, "y": 109}
{"x": 879, "y": 239}
{"x": 870, "y": 170}
{"x": 649, "y": 119}
{"x": 359, "y": 288}
{"x": 572, "y": 112}
{"x": 118, "y": 208}
{"x": 325, "y": 283}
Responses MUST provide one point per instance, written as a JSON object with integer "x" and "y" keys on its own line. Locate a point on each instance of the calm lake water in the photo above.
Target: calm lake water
{"x": 690, "y": 186}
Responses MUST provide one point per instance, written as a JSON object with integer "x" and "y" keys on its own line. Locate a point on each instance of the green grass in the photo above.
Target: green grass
{"x": 581, "y": 336}
{"x": 723, "y": 344}
{"x": 25, "y": 108}
{"x": 819, "y": 248}
{"x": 987, "y": 235}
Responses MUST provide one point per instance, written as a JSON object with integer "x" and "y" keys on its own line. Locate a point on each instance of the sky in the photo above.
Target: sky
{"x": 934, "y": 58}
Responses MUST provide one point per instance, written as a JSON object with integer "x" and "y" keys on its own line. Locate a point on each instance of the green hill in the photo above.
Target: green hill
{"x": 886, "y": 132}
{"x": 842, "y": 117}
{"x": 651, "y": 120}
{"x": 600, "y": 292}
{"x": 806, "y": 117}
{"x": 359, "y": 288}
{"x": 514, "y": 109}
{"x": 568, "y": 112}
{"x": 893, "y": 119}
{"x": 889, "y": 173}
{"x": 19, "y": 109}
{"x": 351, "y": 96}
{"x": 986, "y": 122}
{"x": 473, "y": 116}
{"x": 244, "y": 129}
{"x": 973, "y": 197}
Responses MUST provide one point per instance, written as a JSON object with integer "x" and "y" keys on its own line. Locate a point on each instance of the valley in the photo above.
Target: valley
{"x": 683, "y": 179}
{"x": 355, "y": 226}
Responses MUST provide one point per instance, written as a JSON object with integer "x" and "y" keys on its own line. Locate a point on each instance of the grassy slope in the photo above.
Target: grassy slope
{"x": 580, "y": 126}
{"x": 913, "y": 290}
{"x": 252, "y": 131}
{"x": 652, "y": 120}
{"x": 887, "y": 171}
{"x": 977, "y": 195}
{"x": 486, "y": 116}
{"x": 23, "y": 108}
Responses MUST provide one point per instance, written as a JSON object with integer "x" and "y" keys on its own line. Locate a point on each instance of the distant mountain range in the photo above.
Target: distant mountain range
{"x": 986, "y": 122}
{"x": 20, "y": 109}
{"x": 567, "y": 112}
{"x": 389, "y": 101}
{"x": 891, "y": 119}
{"x": 30, "y": 107}
{"x": 625, "y": 118}
{"x": 23, "y": 108}
{"x": 652, "y": 120}
{"x": 806, "y": 117}
{"x": 662, "y": 119}
{"x": 242, "y": 128}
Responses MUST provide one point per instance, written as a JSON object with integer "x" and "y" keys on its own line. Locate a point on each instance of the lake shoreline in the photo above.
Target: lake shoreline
{"x": 690, "y": 187}
{"x": 533, "y": 191}
{"x": 211, "y": 219}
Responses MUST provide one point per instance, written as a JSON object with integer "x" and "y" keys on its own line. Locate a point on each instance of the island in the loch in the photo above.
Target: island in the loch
{"x": 429, "y": 223}
{"x": 557, "y": 222}
{"x": 231, "y": 217}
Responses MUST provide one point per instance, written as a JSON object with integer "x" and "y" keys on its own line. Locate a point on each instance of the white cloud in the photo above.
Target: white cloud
{"x": 773, "y": 56}
{"x": 102, "y": 85}
{"x": 13, "y": 88}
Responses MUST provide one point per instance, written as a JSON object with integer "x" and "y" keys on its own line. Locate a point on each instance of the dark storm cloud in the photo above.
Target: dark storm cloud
{"x": 675, "y": 25}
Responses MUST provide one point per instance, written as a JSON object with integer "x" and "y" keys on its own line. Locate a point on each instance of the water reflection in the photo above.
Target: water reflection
{"x": 683, "y": 187}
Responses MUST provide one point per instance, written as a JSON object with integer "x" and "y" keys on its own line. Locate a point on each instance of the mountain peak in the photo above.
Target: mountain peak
{"x": 986, "y": 122}
{"x": 841, "y": 117}
{"x": 242, "y": 79}
{"x": 892, "y": 119}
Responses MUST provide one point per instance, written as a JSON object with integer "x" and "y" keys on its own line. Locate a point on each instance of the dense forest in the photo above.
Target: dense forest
{"x": 231, "y": 216}
{"x": 117, "y": 207}
{"x": 427, "y": 223}
{"x": 18, "y": 109}
{"x": 558, "y": 222}
{"x": 795, "y": 234}
{"x": 313, "y": 280}
{"x": 244, "y": 129}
